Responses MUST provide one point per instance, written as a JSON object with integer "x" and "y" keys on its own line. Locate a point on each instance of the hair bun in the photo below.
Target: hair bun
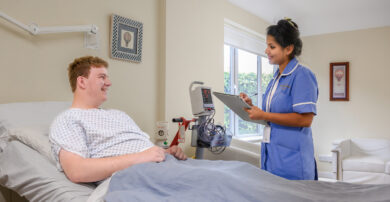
{"x": 289, "y": 21}
{"x": 286, "y": 33}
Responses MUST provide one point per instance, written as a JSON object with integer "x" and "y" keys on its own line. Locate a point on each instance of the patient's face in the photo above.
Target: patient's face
{"x": 98, "y": 84}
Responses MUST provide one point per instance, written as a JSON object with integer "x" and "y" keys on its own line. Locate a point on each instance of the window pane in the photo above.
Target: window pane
{"x": 247, "y": 75}
{"x": 247, "y": 83}
{"x": 227, "y": 86}
{"x": 226, "y": 68}
{"x": 267, "y": 72}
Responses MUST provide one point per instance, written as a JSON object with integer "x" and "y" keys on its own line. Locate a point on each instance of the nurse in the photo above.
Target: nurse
{"x": 289, "y": 105}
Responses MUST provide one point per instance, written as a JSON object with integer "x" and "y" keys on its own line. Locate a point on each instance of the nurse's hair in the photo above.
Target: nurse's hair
{"x": 81, "y": 67}
{"x": 286, "y": 33}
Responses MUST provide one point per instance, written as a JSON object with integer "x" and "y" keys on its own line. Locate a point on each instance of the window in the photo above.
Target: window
{"x": 243, "y": 72}
{"x": 247, "y": 70}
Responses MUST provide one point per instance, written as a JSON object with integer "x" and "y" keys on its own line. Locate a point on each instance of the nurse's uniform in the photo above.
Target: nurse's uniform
{"x": 288, "y": 151}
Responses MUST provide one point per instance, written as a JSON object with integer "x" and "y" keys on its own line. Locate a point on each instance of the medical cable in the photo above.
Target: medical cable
{"x": 208, "y": 132}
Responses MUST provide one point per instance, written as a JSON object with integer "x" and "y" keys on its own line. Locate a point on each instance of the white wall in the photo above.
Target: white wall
{"x": 367, "y": 112}
{"x": 33, "y": 68}
{"x": 194, "y": 43}
{"x": 194, "y": 51}
{"x": 182, "y": 42}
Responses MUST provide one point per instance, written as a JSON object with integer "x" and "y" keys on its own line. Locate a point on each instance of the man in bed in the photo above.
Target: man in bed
{"x": 90, "y": 143}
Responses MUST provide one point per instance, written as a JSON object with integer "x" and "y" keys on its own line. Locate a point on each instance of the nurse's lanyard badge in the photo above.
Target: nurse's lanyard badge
{"x": 267, "y": 128}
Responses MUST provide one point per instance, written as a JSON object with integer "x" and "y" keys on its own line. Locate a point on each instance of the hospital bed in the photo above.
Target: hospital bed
{"x": 27, "y": 167}
{"x": 26, "y": 164}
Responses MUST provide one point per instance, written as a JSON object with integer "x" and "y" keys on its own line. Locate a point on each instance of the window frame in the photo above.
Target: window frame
{"x": 233, "y": 73}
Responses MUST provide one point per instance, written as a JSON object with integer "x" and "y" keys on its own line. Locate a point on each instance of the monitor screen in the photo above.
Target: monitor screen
{"x": 206, "y": 94}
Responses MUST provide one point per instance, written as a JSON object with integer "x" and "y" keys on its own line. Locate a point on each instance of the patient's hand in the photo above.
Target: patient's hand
{"x": 176, "y": 152}
{"x": 153, "y": 154}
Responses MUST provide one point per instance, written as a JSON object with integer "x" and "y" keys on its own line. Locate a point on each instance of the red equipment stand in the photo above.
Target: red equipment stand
{"x": 182, "y": 122}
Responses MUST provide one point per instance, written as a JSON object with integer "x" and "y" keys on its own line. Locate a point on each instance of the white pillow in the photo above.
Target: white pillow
{"x": 29, "y": 122}
{"x": 37, "y": 137}
{"x": 3, "y": 137}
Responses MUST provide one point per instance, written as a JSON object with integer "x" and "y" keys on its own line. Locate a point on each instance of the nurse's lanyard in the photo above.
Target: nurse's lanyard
{"x": 267, "y": 128}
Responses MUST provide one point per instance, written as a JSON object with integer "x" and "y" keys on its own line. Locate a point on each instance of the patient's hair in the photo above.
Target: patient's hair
{"x": 286, "y": 33}
{"x": 81, "y": 67}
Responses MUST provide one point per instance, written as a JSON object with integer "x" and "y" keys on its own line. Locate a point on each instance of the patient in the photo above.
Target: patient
{"x": 90, "y": 143}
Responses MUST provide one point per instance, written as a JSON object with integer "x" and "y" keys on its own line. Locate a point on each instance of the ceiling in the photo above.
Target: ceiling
{"x": 322, "y": 16}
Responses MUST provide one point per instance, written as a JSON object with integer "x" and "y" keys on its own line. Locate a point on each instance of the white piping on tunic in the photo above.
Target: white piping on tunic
{"x": 267, "y": 128}
{"x": 304, "y": 103}
{"x": 271, "y": 93}
{"x": 291, "y": 70}
{"x": 274, "y": 87}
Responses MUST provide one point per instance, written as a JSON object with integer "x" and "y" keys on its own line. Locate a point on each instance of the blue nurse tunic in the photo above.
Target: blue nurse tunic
{"x": 290, "y": 152}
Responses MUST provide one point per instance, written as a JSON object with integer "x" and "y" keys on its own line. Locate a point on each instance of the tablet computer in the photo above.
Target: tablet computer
{"x": 237, "y": 105}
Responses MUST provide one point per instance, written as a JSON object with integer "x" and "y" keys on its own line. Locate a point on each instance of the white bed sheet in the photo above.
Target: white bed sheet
{"x": 31, "y": 175}
{"x": 100, "y": 191}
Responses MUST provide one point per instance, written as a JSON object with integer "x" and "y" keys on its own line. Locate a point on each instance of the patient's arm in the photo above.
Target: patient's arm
{"x": 79, "y": 169}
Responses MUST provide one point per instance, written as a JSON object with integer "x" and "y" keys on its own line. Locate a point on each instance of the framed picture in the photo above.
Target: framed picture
{"x": 339, "y": 81}
{"x": 126, "y": 39}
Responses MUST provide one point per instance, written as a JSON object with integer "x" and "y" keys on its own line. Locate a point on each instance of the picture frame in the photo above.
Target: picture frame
{"x": 126, "y": 39}
{"x": 339, "y": 81}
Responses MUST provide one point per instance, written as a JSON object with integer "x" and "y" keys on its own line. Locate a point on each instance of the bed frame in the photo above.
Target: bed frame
{"x": 7, "y": 195}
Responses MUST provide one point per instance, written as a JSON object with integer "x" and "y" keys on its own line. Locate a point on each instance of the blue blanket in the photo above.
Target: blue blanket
{"x": 204, "y": 180}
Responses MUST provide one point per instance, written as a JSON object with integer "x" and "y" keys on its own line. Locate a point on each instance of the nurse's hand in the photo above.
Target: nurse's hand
{"x": 255, "y": 113}
{"x": 246, "y": 98}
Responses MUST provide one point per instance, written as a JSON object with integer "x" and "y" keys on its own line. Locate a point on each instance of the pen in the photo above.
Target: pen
{"x": 253, "y": 95}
